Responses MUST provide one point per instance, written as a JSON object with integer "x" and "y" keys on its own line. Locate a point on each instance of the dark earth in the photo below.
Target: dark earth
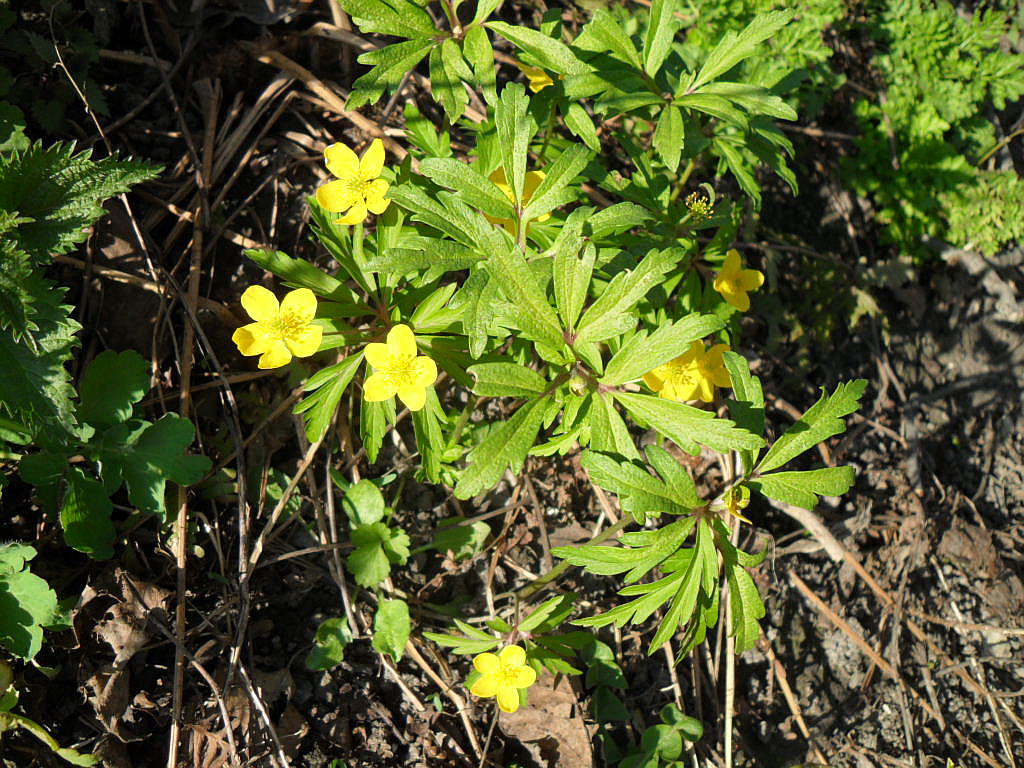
{"x": 920, "y": 563}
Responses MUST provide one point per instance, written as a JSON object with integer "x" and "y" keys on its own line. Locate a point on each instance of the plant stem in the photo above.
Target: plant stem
{"x": 554, "y": 573}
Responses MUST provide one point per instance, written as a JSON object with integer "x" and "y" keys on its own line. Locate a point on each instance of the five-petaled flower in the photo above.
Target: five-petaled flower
{"x": 539, "y": 79}
{"x": 502, "y": 675}
{"x": 281, "y": 330}
{"x": 693, "y": 374}
{"x": 733, "y": 281}
{"x": 398, "y": 371}
{"x": 357, "y": 187}
{"x": 530, "y": 184}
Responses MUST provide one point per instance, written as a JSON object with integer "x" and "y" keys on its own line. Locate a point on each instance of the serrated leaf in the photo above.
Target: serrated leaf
{"x": 608, "y": 432}
{"x": 639, "y": 492}
{"x": 734, "y": 47}
{"x": 604, "y": 34}
{"x": 474, "y": 188}
{"x": 753, "y": 98}
{"x": 330, "y": 384}
{"x": 506, "y": 380}
{"x": 668, "y": 136}
{"x": 376, "y": 547}
{"x": 546, "y": 51}
{"x": 676, "y": 478}
{"x": 505, "y": 447}
{"x": 747, "y": 607}
{"x": 390, "y": 64}
{"x": 391, "y": 628}
{"x": 616, "y": 219}
{"x": 479, "y": 294}
{"x": 514, "y": 128}
{"x": 445, "y": 82}
{"x": 393, "y": 17}
{"x": 687, "y": 426}
{"x": 580, "y": 125}
{"x": 85, "y": 516}
{"x": 802, "y": 489}
{"x": 26, "y": 602}
{"x": 613, "y": 312}
{"x": 463, "y": 645}
{"x": 297, "y": 273}
{"x": 533, "y": 312}
{"x": 571, "y": 279}
{"x": 642, "y": 353}
{"x": 111, "y": 386}
{"x": 557, "y": 176}
{"x": 548, "y": 615}
{"x": 662, "y": 26}
{"x": 747, "y": 406}
{"x": 820, "y": 422}
{"x": 652, "y": 548}
{"x": 479, "y": 52}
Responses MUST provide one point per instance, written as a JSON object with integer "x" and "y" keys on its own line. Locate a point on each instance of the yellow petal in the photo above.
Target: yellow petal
{"x": 508, "y": 699}
{"x": 306, "y": 342}
{"x": 732, "y": 263}
{"x": 401, "y": 341}
{"x": 277, "y": 355}
{"x": 720, "y": 377}
{"x": 654, "y": 379}
{"x": 751, "y": 279}
{"x": 377, "y": 388}
{"x": 525, "y": 677}
{"x": 341, "y": 161}
{"x": 512, "y": 656}
{"x": 414, "y": 397}
{"x": 486, "y": 664}
{"x": 300, "y": 304}
{"x": 497, "y": 178}
{"x": 740, "y": 300}
{"x": 680, "y": 392}
{"x": 356, "y": 215}
{"x": 373, "y": 161}
{"x": 377, "y": 355}
{"x": 713, "y": 358}
{"x": 251, "y": 339}
{"x": 424, "y": 372}
{"x": 485, "y": 687}
{"x": 336, "y": 196}
{"x": 693, "y": 353}
{"x": 375, "y": 200}
{"x": 260, "y": 303}
{"x": 530, "y": 184}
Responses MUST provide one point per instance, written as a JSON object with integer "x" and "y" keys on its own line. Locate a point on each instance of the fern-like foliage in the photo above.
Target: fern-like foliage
{"x": 49, "y": 197}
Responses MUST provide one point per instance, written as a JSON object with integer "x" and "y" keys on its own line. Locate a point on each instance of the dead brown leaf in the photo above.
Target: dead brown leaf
{"x": 550, "y": 726}
{"x": 125, "y": 625}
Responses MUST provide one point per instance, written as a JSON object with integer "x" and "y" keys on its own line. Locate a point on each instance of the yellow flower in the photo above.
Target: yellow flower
{"x": 280, "y": 331}
{"x": 733, "y": 282}
{"x": 357, "y": 186}
{"x": 735, "y": 500}
{"x": 502, "y": 676}
{"x": 530, "y": 184}
{"x": 398, "y": 371}
{"x": 693, "y": 374}
{"x": 539, "y": 79}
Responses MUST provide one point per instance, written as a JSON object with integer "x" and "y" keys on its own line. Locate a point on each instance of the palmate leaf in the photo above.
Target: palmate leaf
{"x": 639, "y": 492}
{"x": 802, "y": 489}
{"x": 111, "y": 386}
{"x": 820, "y": 422}
{"x": 687, "y": 426}
{"x": 26, "y": 602}
{"x": 390, "y": 64}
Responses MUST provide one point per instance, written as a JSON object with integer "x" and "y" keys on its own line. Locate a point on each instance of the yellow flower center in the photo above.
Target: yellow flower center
{"x": 400, "y": 371}
{"x": 285, "y": 326}
{"x": 686, "y": 374}
{"x": 356, "y": 184}
{"x": 507, "y": 674}
{"x": 734, "y": 285}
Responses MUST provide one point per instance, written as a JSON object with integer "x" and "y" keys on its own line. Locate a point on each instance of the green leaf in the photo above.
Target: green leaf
{"x": 642, "y": 353}
{"x": 514, "y": 127}
{"x": 434, "y": 253}
{"x": 604, "y": 34}
{"x": 448, "y": 215}
{"x": 85, "y": 516}
{"x": 747, "y": 607}
{"x": 639, "y": 492}
{"x": 613, "y": 313}
{"x": 330, "y": 384}
{"x": 393, "y": 17}
{"x": 505, "y": 447}
{"x": 608, "y": 432}
{"x": 687, "y": 426}
{"x": 477, "y": 49}
{"x": 506, "y": 380}
{"x": 477, "y": 297}
{"x": 158, "y": 455}
{"x": 471, "y": 642}
{"x": 662, "y": 26}
{"x": 579, "y": 123}
{"x": 571, "y": 277}
{"x": 615, "y": 219}
{"x": 668, "y": 136}
{"x": 678, "y": 480}
{"x": 296, "y": 273}
{"x": 364, "y": 504}
{"x": 111, "y": 386}
{"x": 747, "y": 406}
{"x": 753, "y": 98}
{"x": 474, "y": 188}
{"x": 373, "y": 423}
{"x": 533, "y": 312}
{"x": 802, "y": 489}
{"x": 546, "y": 51}
{"x": 391, "y": 628}
{"x": 26, "y": 602}
{"x": 547, "y": 616}
{"x": 376, "y": 547}
{"x": 652, "y": 547}
{"x": 735, "y": 47}
{"x": 463, "y": 541}
{"x": 390, "y": 64}
{"x": 820, "y": 422}
{"x": 557, "y": 177}
{"x": 446, "y": 71}
{"x": 330, "y": 641}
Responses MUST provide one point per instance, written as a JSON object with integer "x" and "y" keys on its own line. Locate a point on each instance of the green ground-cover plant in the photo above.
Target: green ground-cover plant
{"x": 923, "y": 141}
{"x": 578, "y": 284}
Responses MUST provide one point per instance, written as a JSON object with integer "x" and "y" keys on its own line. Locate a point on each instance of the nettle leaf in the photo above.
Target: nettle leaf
{"x": 27, "y": 603}
{"x": 111, "y": 386}
{"x": 820, "y": 422}
{"x": 613, "y": 312}
{"x": 642, "y": 353}
{"x": 505, "y": 447}
{"x": 156, "y": 455}
{"x": 393, "y": 17}
{"x": 85, "y": 516}
{"x": 687, "y": 426}
{"x": 802, "y": 489}
{"x": 328, "y": 385}
{"x": 640, "y": 493}
{"x": 330, "y": 641}
{"x": 376, "y": 547}
{"x": 391, "y": 628}
{"x": 506, "y": 380}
